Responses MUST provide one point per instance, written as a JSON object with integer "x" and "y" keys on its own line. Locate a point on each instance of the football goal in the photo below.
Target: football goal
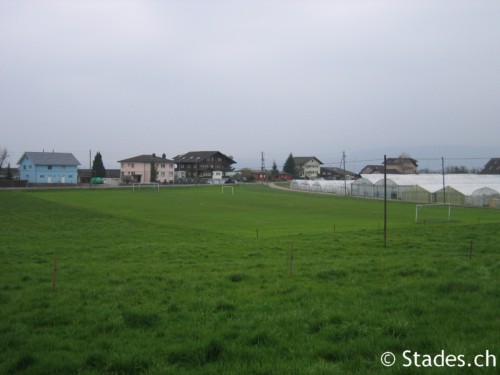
{"x": 432, "y": 212}
{"x": 146, "y": 185}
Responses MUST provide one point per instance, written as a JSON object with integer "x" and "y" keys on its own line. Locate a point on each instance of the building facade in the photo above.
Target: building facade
{"x": 403, "y": 165}
{"x": 307, "y": 167}
{"x": 138, "y": 169}
{"x": 48, "y": 168}
{"x": 400, "y": 165}
{"x": 202, "y": 164}
{"x": 267, "y": 175}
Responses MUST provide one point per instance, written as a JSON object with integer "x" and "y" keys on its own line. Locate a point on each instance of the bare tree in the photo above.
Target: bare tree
{"x": 4, "y": 154}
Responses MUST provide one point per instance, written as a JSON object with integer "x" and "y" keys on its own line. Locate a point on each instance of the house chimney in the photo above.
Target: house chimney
{"x": 154, "y": 155}
{"x": 164, "y": 156}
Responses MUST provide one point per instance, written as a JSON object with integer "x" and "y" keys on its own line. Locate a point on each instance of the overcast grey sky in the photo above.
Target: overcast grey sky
{"x": 128, "y": 77}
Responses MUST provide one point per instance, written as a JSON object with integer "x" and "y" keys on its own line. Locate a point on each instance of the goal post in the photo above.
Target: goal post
{"x": 146, "y": 185}
{"x": 227, "y": 187}
{"x": 432, "y": 212}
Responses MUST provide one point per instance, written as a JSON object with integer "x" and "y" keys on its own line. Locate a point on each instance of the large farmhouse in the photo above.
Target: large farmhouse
{"x": 48, "y": 168}
{"x": 307, "y": 166}
{"x": 202, "y": 164}
{"x": 400, "y": 165}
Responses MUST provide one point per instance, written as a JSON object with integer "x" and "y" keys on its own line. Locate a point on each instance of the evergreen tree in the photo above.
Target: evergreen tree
{"x": 275, "y": 173}
{"x": 98, "y": 169}
{"x": 289, "y": 166}
{"x": 154, "y": 172}
{"x": 9, "y": 176}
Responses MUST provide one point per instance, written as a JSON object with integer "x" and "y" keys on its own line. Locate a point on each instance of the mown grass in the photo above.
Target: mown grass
{"x": 191, "y": 281}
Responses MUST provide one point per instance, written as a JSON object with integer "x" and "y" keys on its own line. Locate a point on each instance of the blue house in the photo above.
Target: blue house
{"x": 48, "y": 167}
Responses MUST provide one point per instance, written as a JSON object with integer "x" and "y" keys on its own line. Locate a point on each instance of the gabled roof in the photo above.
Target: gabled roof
{"x": 376, "y": 169}
{"x": 337, "y": 171}
{"x": 146, "y": 158}
{"x": 492, "y": 167}
{"x": 50, "y": 158}
{"x": 400, "y": 160}
{"x": 198, "y": 156}
{"x": 301, "y": 160}
{"x": 372, "y": 168}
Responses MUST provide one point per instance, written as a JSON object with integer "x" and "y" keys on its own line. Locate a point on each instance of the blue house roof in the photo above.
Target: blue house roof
{"x": 50, "y": 158}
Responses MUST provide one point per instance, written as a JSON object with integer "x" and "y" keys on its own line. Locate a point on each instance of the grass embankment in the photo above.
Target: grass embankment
{"x": 191, "y": 281}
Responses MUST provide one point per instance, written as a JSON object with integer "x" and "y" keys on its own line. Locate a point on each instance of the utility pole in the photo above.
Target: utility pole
{"x": 385, "y": 201}
{"x": 262, "y": 166}
{"x": 343, "y": 165}
{"x": 444, "y": 186}
{"x": 90, "y": 168}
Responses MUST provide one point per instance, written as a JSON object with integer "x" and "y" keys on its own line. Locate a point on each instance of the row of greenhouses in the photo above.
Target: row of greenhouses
{"x": 322, "y": 186}
{"x": 460, "y": 189}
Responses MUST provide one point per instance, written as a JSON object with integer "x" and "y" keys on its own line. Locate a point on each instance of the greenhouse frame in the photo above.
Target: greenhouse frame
{"x": 458, "y": 189}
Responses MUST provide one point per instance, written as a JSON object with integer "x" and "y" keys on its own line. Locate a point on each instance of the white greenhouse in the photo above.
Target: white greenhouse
{"x": 460, "y": 189}
{"x": 332, "y": 186}
{"x": 303, "y": 185}
{"x": 485, "y": 196}
{"x": 365, "y": 186}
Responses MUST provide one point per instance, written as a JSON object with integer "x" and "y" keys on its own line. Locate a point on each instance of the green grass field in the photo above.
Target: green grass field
{"x": 188, "y": 281}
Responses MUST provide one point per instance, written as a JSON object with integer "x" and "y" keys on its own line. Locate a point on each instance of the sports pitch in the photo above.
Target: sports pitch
{"x": 262, "y": 281}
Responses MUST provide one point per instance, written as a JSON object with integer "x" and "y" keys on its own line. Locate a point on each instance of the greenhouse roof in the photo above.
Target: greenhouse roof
{"x": 463, "y": 183}
{"x": 474, "y": 189}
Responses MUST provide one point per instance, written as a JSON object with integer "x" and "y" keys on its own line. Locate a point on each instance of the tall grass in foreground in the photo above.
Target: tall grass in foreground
{"x": 189, "y": 281}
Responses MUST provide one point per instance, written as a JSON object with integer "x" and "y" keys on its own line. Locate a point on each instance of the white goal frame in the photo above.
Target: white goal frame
{"x": 139, "y": 185}
{"x": 222, "y": 189}
{"x": 419, "y": 206}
